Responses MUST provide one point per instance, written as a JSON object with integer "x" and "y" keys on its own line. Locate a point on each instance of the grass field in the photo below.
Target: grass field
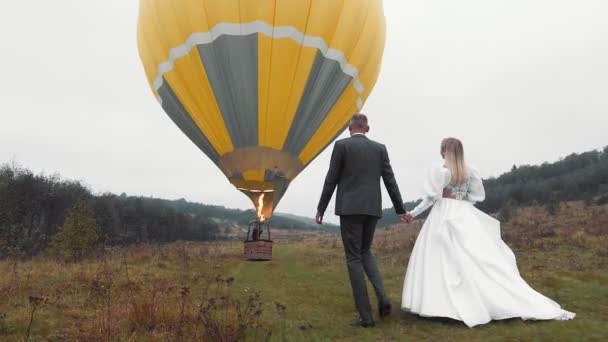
{"x": 188, "y": 291}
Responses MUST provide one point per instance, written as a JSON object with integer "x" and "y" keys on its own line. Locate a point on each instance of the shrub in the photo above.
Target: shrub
{"x": 227, "y": 318}
{"x": 507, "y": 212}
{"x": 602, "y": 200}
{"x": 5, "y": 328}
{"x": 144, "y": 312}
{"x": 552, "y": 207}
{"x": 78, "y": 236}
{"x": 10, "y": 240}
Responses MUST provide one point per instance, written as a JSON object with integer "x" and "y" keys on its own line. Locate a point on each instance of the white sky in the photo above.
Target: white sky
{"x": 519, "y": 81}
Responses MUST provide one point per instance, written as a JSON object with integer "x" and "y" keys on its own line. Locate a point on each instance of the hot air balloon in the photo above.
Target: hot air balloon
{"x": 261, "y": 87}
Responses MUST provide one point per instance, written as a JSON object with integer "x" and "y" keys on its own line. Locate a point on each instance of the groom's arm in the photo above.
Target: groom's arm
{"x": 332, "y": 178}
{"x": 390, "y": 183}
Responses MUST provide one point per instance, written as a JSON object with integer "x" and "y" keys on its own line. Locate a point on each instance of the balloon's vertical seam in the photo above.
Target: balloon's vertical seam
{"x": 211, "y": 39}
{"x": 372, "y": 52}
{"x": 230, "y": 71}
{"x": 211, "y": 124}
{"x": 299, "y": 135}
{"x": 301, "y": 45}
{"x": 274, "y": 19}
{"x": 186, "y": 90}
{"x": 210, "y": 151}
{"x": 356, "y": 77}
{"x": 230, "y": 116}
{"x": 212, "y": 129}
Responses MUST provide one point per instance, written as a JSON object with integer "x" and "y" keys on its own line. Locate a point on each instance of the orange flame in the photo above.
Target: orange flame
{"x": 260, "y": 208}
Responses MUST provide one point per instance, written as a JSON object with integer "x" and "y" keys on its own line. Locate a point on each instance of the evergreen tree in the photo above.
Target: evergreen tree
{"x": 78, "y": 236}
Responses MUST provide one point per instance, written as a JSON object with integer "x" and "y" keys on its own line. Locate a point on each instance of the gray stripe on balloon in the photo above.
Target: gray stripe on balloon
{"x": 180, "y": 116}
{"x": 326, "y": 83}
{"x": 231, "y": 63}
{"x": 258, "y": 26}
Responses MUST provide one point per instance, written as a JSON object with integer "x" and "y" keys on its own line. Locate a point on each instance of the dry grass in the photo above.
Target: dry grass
{"x": 148, "y": 291}
{"x": 196, "y": 291}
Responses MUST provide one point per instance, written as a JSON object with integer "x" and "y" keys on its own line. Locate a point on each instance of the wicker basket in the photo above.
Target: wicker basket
{"x": 258, "y": 250}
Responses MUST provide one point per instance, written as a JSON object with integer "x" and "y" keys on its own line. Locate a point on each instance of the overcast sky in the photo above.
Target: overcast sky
{"x": 519, "y": 81}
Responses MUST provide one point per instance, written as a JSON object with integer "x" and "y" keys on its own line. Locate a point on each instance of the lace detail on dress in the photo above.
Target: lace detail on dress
{"x": 459, "y": 191}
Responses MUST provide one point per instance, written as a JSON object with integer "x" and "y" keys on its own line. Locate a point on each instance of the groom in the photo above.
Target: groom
{"x": 357, "y": 164}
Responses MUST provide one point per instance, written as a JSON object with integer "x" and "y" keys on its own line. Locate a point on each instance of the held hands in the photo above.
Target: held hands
{"x": 407, "y": 217}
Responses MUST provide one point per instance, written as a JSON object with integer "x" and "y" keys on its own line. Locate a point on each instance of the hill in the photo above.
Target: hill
{"x": 33, "y": 209}
{"x": 581, "y": 176}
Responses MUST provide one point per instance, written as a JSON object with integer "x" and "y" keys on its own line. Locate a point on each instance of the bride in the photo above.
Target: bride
{"x": 460, "y": 268}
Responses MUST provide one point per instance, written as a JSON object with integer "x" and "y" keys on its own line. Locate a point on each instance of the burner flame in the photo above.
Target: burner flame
{"x": 260, "y": 208}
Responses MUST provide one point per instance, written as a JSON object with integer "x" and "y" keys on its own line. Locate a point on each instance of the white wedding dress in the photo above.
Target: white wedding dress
{"x": 460, "y": 268}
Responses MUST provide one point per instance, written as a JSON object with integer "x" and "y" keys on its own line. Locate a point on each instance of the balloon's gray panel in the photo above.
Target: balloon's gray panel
{"x": 180, "y": 116}
{"x": 231, "y": 63}
{"x": 326, "y": 83}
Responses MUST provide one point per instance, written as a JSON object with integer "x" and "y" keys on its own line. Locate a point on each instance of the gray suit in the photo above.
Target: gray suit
{"x": 357, "y": 164}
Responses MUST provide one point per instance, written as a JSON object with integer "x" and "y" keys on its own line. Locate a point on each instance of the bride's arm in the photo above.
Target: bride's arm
{"x": 438, "y": 179}
{"x": 476, "y": 192}
{"x": 426, "y": 203}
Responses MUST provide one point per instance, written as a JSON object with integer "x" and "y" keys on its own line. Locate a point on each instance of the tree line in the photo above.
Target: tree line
{"x": 582, "y": 176}
{"x": 34, "y": 208}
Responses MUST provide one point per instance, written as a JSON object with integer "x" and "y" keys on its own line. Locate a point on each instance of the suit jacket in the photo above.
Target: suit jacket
{"x": 357, "y": 164}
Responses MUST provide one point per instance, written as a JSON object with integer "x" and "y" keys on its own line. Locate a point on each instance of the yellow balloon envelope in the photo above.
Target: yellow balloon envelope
{"x": 261, "y": 86}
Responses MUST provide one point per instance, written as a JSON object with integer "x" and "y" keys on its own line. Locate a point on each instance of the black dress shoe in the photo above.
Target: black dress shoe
{"x": 384, "y": 309}
{"x": 363, "y": 324}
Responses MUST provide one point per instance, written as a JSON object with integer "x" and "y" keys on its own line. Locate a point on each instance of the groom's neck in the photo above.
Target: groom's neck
{"x": 357, "y": 131}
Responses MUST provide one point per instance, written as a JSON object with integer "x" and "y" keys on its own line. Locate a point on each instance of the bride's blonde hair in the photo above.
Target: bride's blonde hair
{"x": 453, "y": 154}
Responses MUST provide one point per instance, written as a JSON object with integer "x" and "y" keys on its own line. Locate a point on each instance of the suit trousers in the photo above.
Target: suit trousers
{"x": 357, "y": 236}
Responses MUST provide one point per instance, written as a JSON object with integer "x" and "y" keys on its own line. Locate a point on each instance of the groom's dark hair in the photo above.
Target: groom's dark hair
{"x": 359, "y": 120}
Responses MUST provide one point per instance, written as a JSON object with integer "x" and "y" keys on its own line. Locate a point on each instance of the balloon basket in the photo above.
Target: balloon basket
{"x": 256, "y": 248}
